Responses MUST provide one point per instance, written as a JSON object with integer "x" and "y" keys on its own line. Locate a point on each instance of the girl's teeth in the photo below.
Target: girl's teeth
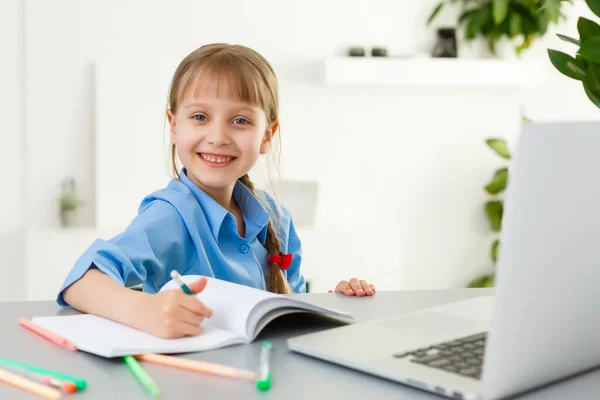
{"x": 216, "y": 159}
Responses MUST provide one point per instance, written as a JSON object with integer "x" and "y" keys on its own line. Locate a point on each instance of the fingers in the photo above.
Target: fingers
{"x": 189, "y": 317}
{"x": 366, "y": 288}
{"x": 178, "y": 329}
{"x": 199, "y": 285}
{"x": 344, "y": 287}
{"x": 191, "y": 303}
{"x": 189, "y": 329}
{"x": 355, "y": 285}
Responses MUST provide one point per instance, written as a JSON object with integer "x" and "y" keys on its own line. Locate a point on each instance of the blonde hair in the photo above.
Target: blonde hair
{"x": 253, "y": 81}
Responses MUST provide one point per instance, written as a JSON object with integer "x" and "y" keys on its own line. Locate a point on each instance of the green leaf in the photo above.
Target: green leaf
{"x": 435, "y": 12}
{"x": 594, "y": 5}
{"x": 592, "y": 96}
{"x": 587, "y": 28}
{"x": 526, "y": 44}
{"x": 483, "y": 281}
{"x": 543, "y": 22}
{"x": 575, "y": 68}
{"x": 498, "y": 182}
{"x": 592, "y": 78}
{"x": 581, "y": 62}
{"x": 500, "y": 147}
{"x": 529, "y": 25}
{"x": 466, "y": 14}
{"x": 477, "y": 20}
{"x": 590, "y": 49}
{"x": 560, "y": 60}
{"x": 494, "y": 250}
{"x": 494, "y": 210}
{"x": 500, "y": 9}
{"x": 515, "y": 21}
{"x": 568, "y": 39}
{"x": 551, "y": 8}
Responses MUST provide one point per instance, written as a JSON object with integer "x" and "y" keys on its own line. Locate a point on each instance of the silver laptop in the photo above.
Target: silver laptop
{"x": 544, "y": 323}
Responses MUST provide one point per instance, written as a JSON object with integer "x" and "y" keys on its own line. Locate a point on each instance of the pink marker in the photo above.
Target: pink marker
{"x": 53, "y": 337}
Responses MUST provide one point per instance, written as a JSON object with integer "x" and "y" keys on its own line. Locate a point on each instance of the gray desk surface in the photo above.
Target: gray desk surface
{"x": 295, "y": 376}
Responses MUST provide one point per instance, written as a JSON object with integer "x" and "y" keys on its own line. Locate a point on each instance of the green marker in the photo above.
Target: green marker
{"x": 141, "y": 376}
{"x": 265, "y": 379}
{"x": 177, "y": 278}
{"x": 80, "y": 384}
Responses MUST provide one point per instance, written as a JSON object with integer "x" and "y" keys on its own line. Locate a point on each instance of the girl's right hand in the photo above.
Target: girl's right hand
{"x": 173, "y": 313}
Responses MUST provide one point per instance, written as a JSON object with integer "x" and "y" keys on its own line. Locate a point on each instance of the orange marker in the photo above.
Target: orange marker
{"x": 53, "y": 337}
{"x": 29, "y": 385}
{"x": 198, "y": 366}
{"x": 65, "y": 386}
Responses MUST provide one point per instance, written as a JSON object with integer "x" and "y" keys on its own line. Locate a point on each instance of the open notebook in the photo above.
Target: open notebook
{"x": 239, "y": 314}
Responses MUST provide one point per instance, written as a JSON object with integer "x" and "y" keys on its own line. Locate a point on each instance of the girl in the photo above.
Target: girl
{"x": 209, "y": 220}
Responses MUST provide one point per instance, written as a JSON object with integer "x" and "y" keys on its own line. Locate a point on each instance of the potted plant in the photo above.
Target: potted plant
{"x": 494, "y": 207}
{"x": 69, "y": 204}
{"x": 585, "y": 66}
{"x": 519, "y": 21}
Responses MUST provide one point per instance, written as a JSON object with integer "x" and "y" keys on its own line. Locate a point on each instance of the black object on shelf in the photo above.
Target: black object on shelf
{"x": 445, "y": 46}
{"x": 379, "y": 52}
{"x": 356, "y": 51}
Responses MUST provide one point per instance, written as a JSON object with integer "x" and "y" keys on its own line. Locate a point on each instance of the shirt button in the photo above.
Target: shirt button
{"x": 244, "y": 248}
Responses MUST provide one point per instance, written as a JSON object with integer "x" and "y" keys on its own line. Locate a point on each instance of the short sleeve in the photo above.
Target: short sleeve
{"x": 155, "y": 242}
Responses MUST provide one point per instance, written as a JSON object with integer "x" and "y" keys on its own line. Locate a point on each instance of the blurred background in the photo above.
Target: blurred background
{"x": 384, "y": 123}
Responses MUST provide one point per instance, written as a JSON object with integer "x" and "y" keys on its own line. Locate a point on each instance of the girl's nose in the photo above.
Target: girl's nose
{"x": 219, "y": 135}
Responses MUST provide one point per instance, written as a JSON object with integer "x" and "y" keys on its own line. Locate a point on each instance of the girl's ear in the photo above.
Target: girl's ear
{"x": 268, "y": 138}
{"x": 171, "y": 119}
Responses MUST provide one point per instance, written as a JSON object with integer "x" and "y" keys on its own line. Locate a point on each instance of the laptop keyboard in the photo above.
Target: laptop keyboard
{"x": 462, "y": 356}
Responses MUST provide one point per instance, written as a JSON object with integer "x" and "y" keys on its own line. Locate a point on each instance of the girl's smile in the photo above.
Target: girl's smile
{"x": 216, "y": 160}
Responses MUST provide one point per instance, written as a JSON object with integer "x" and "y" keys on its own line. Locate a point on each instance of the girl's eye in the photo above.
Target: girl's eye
{"x": 241, "y": 121}
{"x": 199, "y": 117}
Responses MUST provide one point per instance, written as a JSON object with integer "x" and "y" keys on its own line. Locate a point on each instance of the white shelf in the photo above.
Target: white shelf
{"x": 433, "y": 72}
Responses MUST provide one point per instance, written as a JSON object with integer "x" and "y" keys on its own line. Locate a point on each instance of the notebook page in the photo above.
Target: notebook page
{"x": 231, "y": 303}
{"x": 268, "y": 310}
{"x": 107, "y": 338}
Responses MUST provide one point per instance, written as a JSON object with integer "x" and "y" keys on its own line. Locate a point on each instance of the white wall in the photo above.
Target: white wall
{"x": 12, "y": 267}
{"x": 427, "y": 158}
{"x": 62, "y": 37}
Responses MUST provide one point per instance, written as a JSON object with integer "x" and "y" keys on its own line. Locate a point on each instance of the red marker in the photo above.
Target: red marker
{"x": 53, "y": 337}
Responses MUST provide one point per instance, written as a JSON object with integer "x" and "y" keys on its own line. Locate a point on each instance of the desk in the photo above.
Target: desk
{"x": 295, "y": 376}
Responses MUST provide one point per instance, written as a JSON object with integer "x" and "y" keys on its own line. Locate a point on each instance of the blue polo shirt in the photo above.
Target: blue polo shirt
{"x": 183, "y": 228}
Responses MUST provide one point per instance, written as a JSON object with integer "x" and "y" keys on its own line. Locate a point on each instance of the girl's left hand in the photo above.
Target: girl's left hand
{"x": 355, "y": 288}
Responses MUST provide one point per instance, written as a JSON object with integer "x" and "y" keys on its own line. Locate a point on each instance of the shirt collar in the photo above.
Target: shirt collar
{"x": 256, "y": 217}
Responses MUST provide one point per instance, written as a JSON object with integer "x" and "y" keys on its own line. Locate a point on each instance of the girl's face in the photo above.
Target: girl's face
{"x": 218, "y": 137}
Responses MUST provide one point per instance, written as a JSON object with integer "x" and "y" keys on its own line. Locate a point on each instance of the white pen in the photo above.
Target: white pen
{"x": 177, "y": 278}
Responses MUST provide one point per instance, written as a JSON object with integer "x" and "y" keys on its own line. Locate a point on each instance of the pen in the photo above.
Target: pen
{"x": 80, "y": 384}
{"x": 29, "y": 385}
{"x": 53, "y": 337}
{"x": 65, "y": 386}
{"x": 141, "y": 376}
{"x": 264, "y": 380}
{"x": 177, "y": 278}
{"x": 198, "y": 366}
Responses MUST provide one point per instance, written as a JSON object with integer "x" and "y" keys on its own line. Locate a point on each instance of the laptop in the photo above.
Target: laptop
{"x": 541, "y": 325}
